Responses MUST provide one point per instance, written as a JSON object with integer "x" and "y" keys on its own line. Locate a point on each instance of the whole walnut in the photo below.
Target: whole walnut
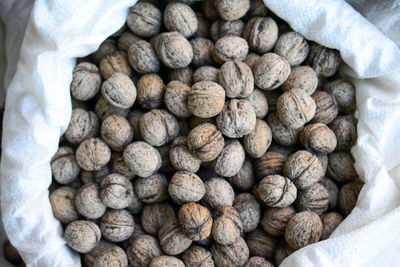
{"x": 82, "y": 236}
{"x": 142, "y": 57}
{"x": 117, "y": 225}
{"x": 218, "y": 193}
{"x": 116, "y": 132}
{"x": 114, "y": 256}
{"x": 104, "y": 109}
{"x": 259, "y": 102}
{"x": 343, "y": 94}
{"x": 197, "y": 256}
{"x": 318, "y": 138}
{"x": 181, "y": 158}
{"x": 345, "y": 131}
{"x": 245, "y": 179}
{"x": 116, "y": 191}
{"x": 237, "y": 79}
{"x": 261, "y": 244}
{"x": 89, "y": 258}
{"x": 172, "y": 239}
{"x": 119, "y": 166}
{"x": 181, "y": 18}
{"x": 295, "y": 108}
{"x": 341, "y": 167}
{"x": 251, "y": 59}
{"x": 155, "y": 215}
{"x": 258, "y": 141}
{"x": 293, "y": 47}
{"x": 82, "y": 125}
{"x": 186, "y": 187}
{"x": 184, "y": 75}
{"x": 152, "y": 189}
{"x": 235, "y": 254}
{"x": 93, "y": 154}
{"x": 126, "y": 40}
{"x": 333, "y": 191}
{"x": 221, "y": 28}
{"x": 150, "y": 91}
{"x": 86, "y": 81}
{"x": 230, "y": 160}
{"x": 348, "y": 195}
{"x": 261, "y": 33}
{"x": 271, "y": 71}
{"x": 269, "y": 164}
{"x": 119, "y": 90}
{"x": 237, "y": 118}
{"x": 230, "y": 48}
{"x": 314, "y": 198}
{"x": 107, "y": 47}
{"x": 205, "y": 142}
{"x": 175, "y": 98}
{"x": 206, "y": 99}
{"x": 323, "y": 60}
{"x": 232, "y": 9}
{"x": 227, "y": 225}
{"x": 143, "y": 159}
{"x": 174, "y": 50}
{"x": 195, "y": 221}
{"x": 274, "y": 220}
{"x": 303, "y": 78}
{"x": 276, "y": 191}
{"x": 281, "y": 133}
{"x": 205, "y": 73}
{"x": 166, "y": 261}
{"x": 203, "y": 29}
{"x": 330, "y": 221}
{"x": 249, "y": 211}
{"x": 142, "y": 250}
{"x": 144, "y": 19}
{"x": 116, "y": 62}
{"x": 64, "y": 166}
{"x": 202, "y": 48}
{"x": 326, "y": 110}
{"x": 304, "y": 169}
{"x": 258, "y": 262}
{"x": 62, "y": 202}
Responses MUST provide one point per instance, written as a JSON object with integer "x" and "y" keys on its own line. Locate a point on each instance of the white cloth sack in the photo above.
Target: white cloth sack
{"x": 38, "y": 109}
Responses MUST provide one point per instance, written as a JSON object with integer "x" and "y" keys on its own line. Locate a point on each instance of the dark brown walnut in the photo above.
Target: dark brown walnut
{"x": 293, "y": 47}
{"x": 341, "y": 167}
{"x": 318, "y": 138}
{"x": 314, "y": 198}
{"x": 282, "y": 253}
{"x": 304, "y": 169}
{"x": 303, "y": 229}
{"x": 303, "y": 78}
{"x": 209, "y": 9}
{"x": 106, "y": 48}
{"x": 175, "y": 98}
{"x": 270, "y": 163}
{"x": 237, "y": 79}
{"x": 197, "y": 256}
{"x": 116, "y": 132}
{"x": 276, "y": 191}
{"x": 181, "y": 18}
{"x": 62, "y": 202}
{"x": 230, "y": 48}
{"x": 251, "y": 59}
{"x": 345, "y": 131}
{"x": 343, "y": 94}
{"x": 82, "y": 236}
{"x": 114, "y": 256}
{"x": 142, "y": 57}
{"x": 257, "y": 8}
{"x": 261, "y": 33}
{"x": 218, "y": 193}
{"x": 136, "y": 233}
{"x": 144, "y": 19}
{"x": 126, "y": 39}
{"x": 196, "y": 121}
{"x": 90, "y": 257}
{"x": 174, "y": 50}
{"x": 195, "y": 221}
{"x": 152, "y": 189}
{"x": 93, "y": 154}
{"x": 78, "y": 104}
{"x": 117, "y": 225}
{"x": 64, "y": 166}
{"x": 271, "y": 71}
{"x": 119, "y": 90}
{"x": 205, "y": 142}
{"x": 143, "y": 159}
{"x": 281, "y": 133}
{"x": 295, "y": 108}
{"x": 116, "y": 191}
{"x": 150, "y": 91}
{"x": 234, "y": 255}
{"x": 172, "y": 239}
{"x": 221, "y": 28}
{"x": 116, "y": 62}
{"x": 133, "y": 118}
{"x": 205, "y": 73}
{"x": 184, "y": 127}
{"x": 245, "y": 179}
{"x": 323, "y": 60}
{"x": 232, "y": 9}
{"x": 82, "y": 125}
{"x": 230, "y": 160}
{"x": 227, "y": 225}
{"x": 95, "y": 176}
{"x": 261, "y": 244}
{"x": 155, "y": 215}
{"x": 181, "y": 158}
{"x": 206, "y": 99}
{"x": 202, "y": 48}
{"x": 184, "y": 75}
{"x": 249, "y": 211}
{"x": 203, "y": 29}
{"x": 86, "y": 81}
{"x": 258, "y": 141}
{"x": 332, "y": 190}
{"x": 274, "y": 220}
{"x": 237, "y": 118}
{"x": 272, "y": 98}
{"x": 258, "y": 262}
{"x": 285, "y": 150}
{"x": 205, "y": 242}
{"x": 119, "y": 166}
{"x": 326, "y": 110}
{"x": 166, "y": 261}
{"x": 104, "y": 109}
{"x": 330, "y": 222}
{"x": 348, "y": 195}
{"x": 142, "y": 250}
{"x": 259, "y": 102}
{"x": 186, "y": 187}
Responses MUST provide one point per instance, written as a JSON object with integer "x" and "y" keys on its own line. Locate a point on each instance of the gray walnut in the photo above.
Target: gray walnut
{"x": 341, "y": 167}
{"x": 172, "y": 239}
{"x": 82, "y": 236}
{"x": 186, "y": 187}
{"x": 184, "y": 75}
{"x": 155, "y": 215}
{"x": 276, "y": 191}
{"x": 175, "y": 98}
{"x": 206, "y": 73}
{"x": 221, "y": 28}
{"x": 181, "y": 158}
{"x": 237, "y": 79}
{"x": 218, "y": 193}
{"x": 293, "y": 47}
{"x": 315, "y": 198}
{"x": 303, "y": 78}
{"x": 166, "y": 261}
{"x": 249, "y": 211}
{"x": 82, "y": 125}
{"x": 62, "y": 202}
{"x": 345, "y": 131}
{"x": 86, "y": 81}
{"x": 144, "y": 19}
{"x": 93, "y": 154}
{"x": 232, "y": 9}
{"x": 142, "y": 57}
{"x": 258, "y": 141}
{"x": 230, "y": 48}
{"x": 343, "y": 94}
{"x": 234, "y": 255}
{"x": 114, "y": 256}
{"x": 197, "y": 256}
{"x": 119, "y": 90}
{"x": 116, "y": 62}
{"x": 326, "y": 110}
{"x": 143, "y": 159}
{"x": 116, "y": 132}
{"x": 323, "y": 60}
{"x": 281, "y": 133}
{"x": 245, "y": 179}
{"x": 227, "y": 225}
{"x": 181, "y": 18}
{"x": 202, "y": 48}
{"x": 261, "y": 33}
{"x": 116, "y": 191}
{"x": 206, "y": 99}
{"x": 319, "y": 138}
{"x": 142, "y": 250}
{"x": 174, "y": 50}
{"x": 230, "y": 160}
{"x": 104, "y": 109}
{"x": 64, "y": 166}
{"x": 261, "y": 243}
{"x": 274, "y": 220}
{"x": 270, "y": 163}
{"x": 271, "y": 71}
{"x": 117, "y": 225}
{"x": 152, "y": 189}
{"x": 330, "y": 222}
{"x": 259, "y": 102}
{"x": 126, "y": 40}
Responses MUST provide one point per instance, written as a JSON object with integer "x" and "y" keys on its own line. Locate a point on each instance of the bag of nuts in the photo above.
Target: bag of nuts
{"x": 214, "y": 133}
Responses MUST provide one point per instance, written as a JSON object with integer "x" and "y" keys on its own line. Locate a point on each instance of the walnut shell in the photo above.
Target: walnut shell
{"x": 230, "y": 48}
{"x": 281, "y": 133}
{"x": 181, "y": 18}
{"x": 259, "y": 102}
{"x": 237, "y": 79}
{"x": 119, "y": 90}
{"x": 82, "y": 125}
{"x": 258, "y": 141}
{"x": 107, "y": 47}
{"x": 221, "y": 28}
{"x": 186, "y": 187}
{"x": 341, "y": 167}
{"x": 90, "y": 257}
{"x": 293, "y": 47}
{"x": 174, "y": 50}
{"x": 116, "y": 132}
{"x": 245, "y": 179}
{"x": 104, "y": 109}
{"x": 155, "y": 215}
{"x": 175, "y": 99}
{"x": 93, "y": 154}
{"x": 227, "y": 225}
{"x": 230, "y": 160}
{"x": 116, "y": 62}
{"x": 330, "y": 221}
{"x": 333, "y": 191}
{"x": 62, "y": 202}
{"x": 82, "y": 236}
{"x": 234, "y": 255}
{"x": 126, "y": 40}
{"x": 119, "y": 166}
{"x": 150, "y": 91}
{"x": 86, "y": 81}
{"x": 172, "y": 239}
{"x": 348, "y": 195}
{"x": 152, "y": 189}
{"x": 166, "y": 261}
{"x": 116, "y": 191}
{"x": 274, "y": 220}
{"x": 261, "y": 244}
{"x": 203, "y": 29}
{"x": 218, "y": 193}
{"x": 205, "y": 73}
{"x": 345, "y": 131}
{"x": 184, "y": 75}
{"x": 323, "y": 60}
{"x": 197, "y": 256}
{"x": 251, "y": 60}
{"x": 271, "y": 71}
{"x": 261, "y": 33}
{"x": 326, "y": 110}
{"x": 258, "y": 262}
{"x": 270, "y": 163}
{"x": 343, "y": 94}
{"x": 206, "y": 99}
{"x": 318, "y": 138}
{"x": 303, "y": 78}
{"x": 144, "y": 19}
{"x": 64, "y": 166}
{"x": 114, "y": 256}
{"x": 142, "y": 250}
{"x": 195, "y": 221}
{"x": 276, "y": 191}
{"x": 181, "y": 158}
{"x": 232, "y": 10}
{"x": 117, "y": 225}
{"x": 143, "y": 159}
{"x": 314, "y": 198}
{"x": 202, "y": 48}
{"x": 249, "y": 211}
{"x": 142, "y": 57}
